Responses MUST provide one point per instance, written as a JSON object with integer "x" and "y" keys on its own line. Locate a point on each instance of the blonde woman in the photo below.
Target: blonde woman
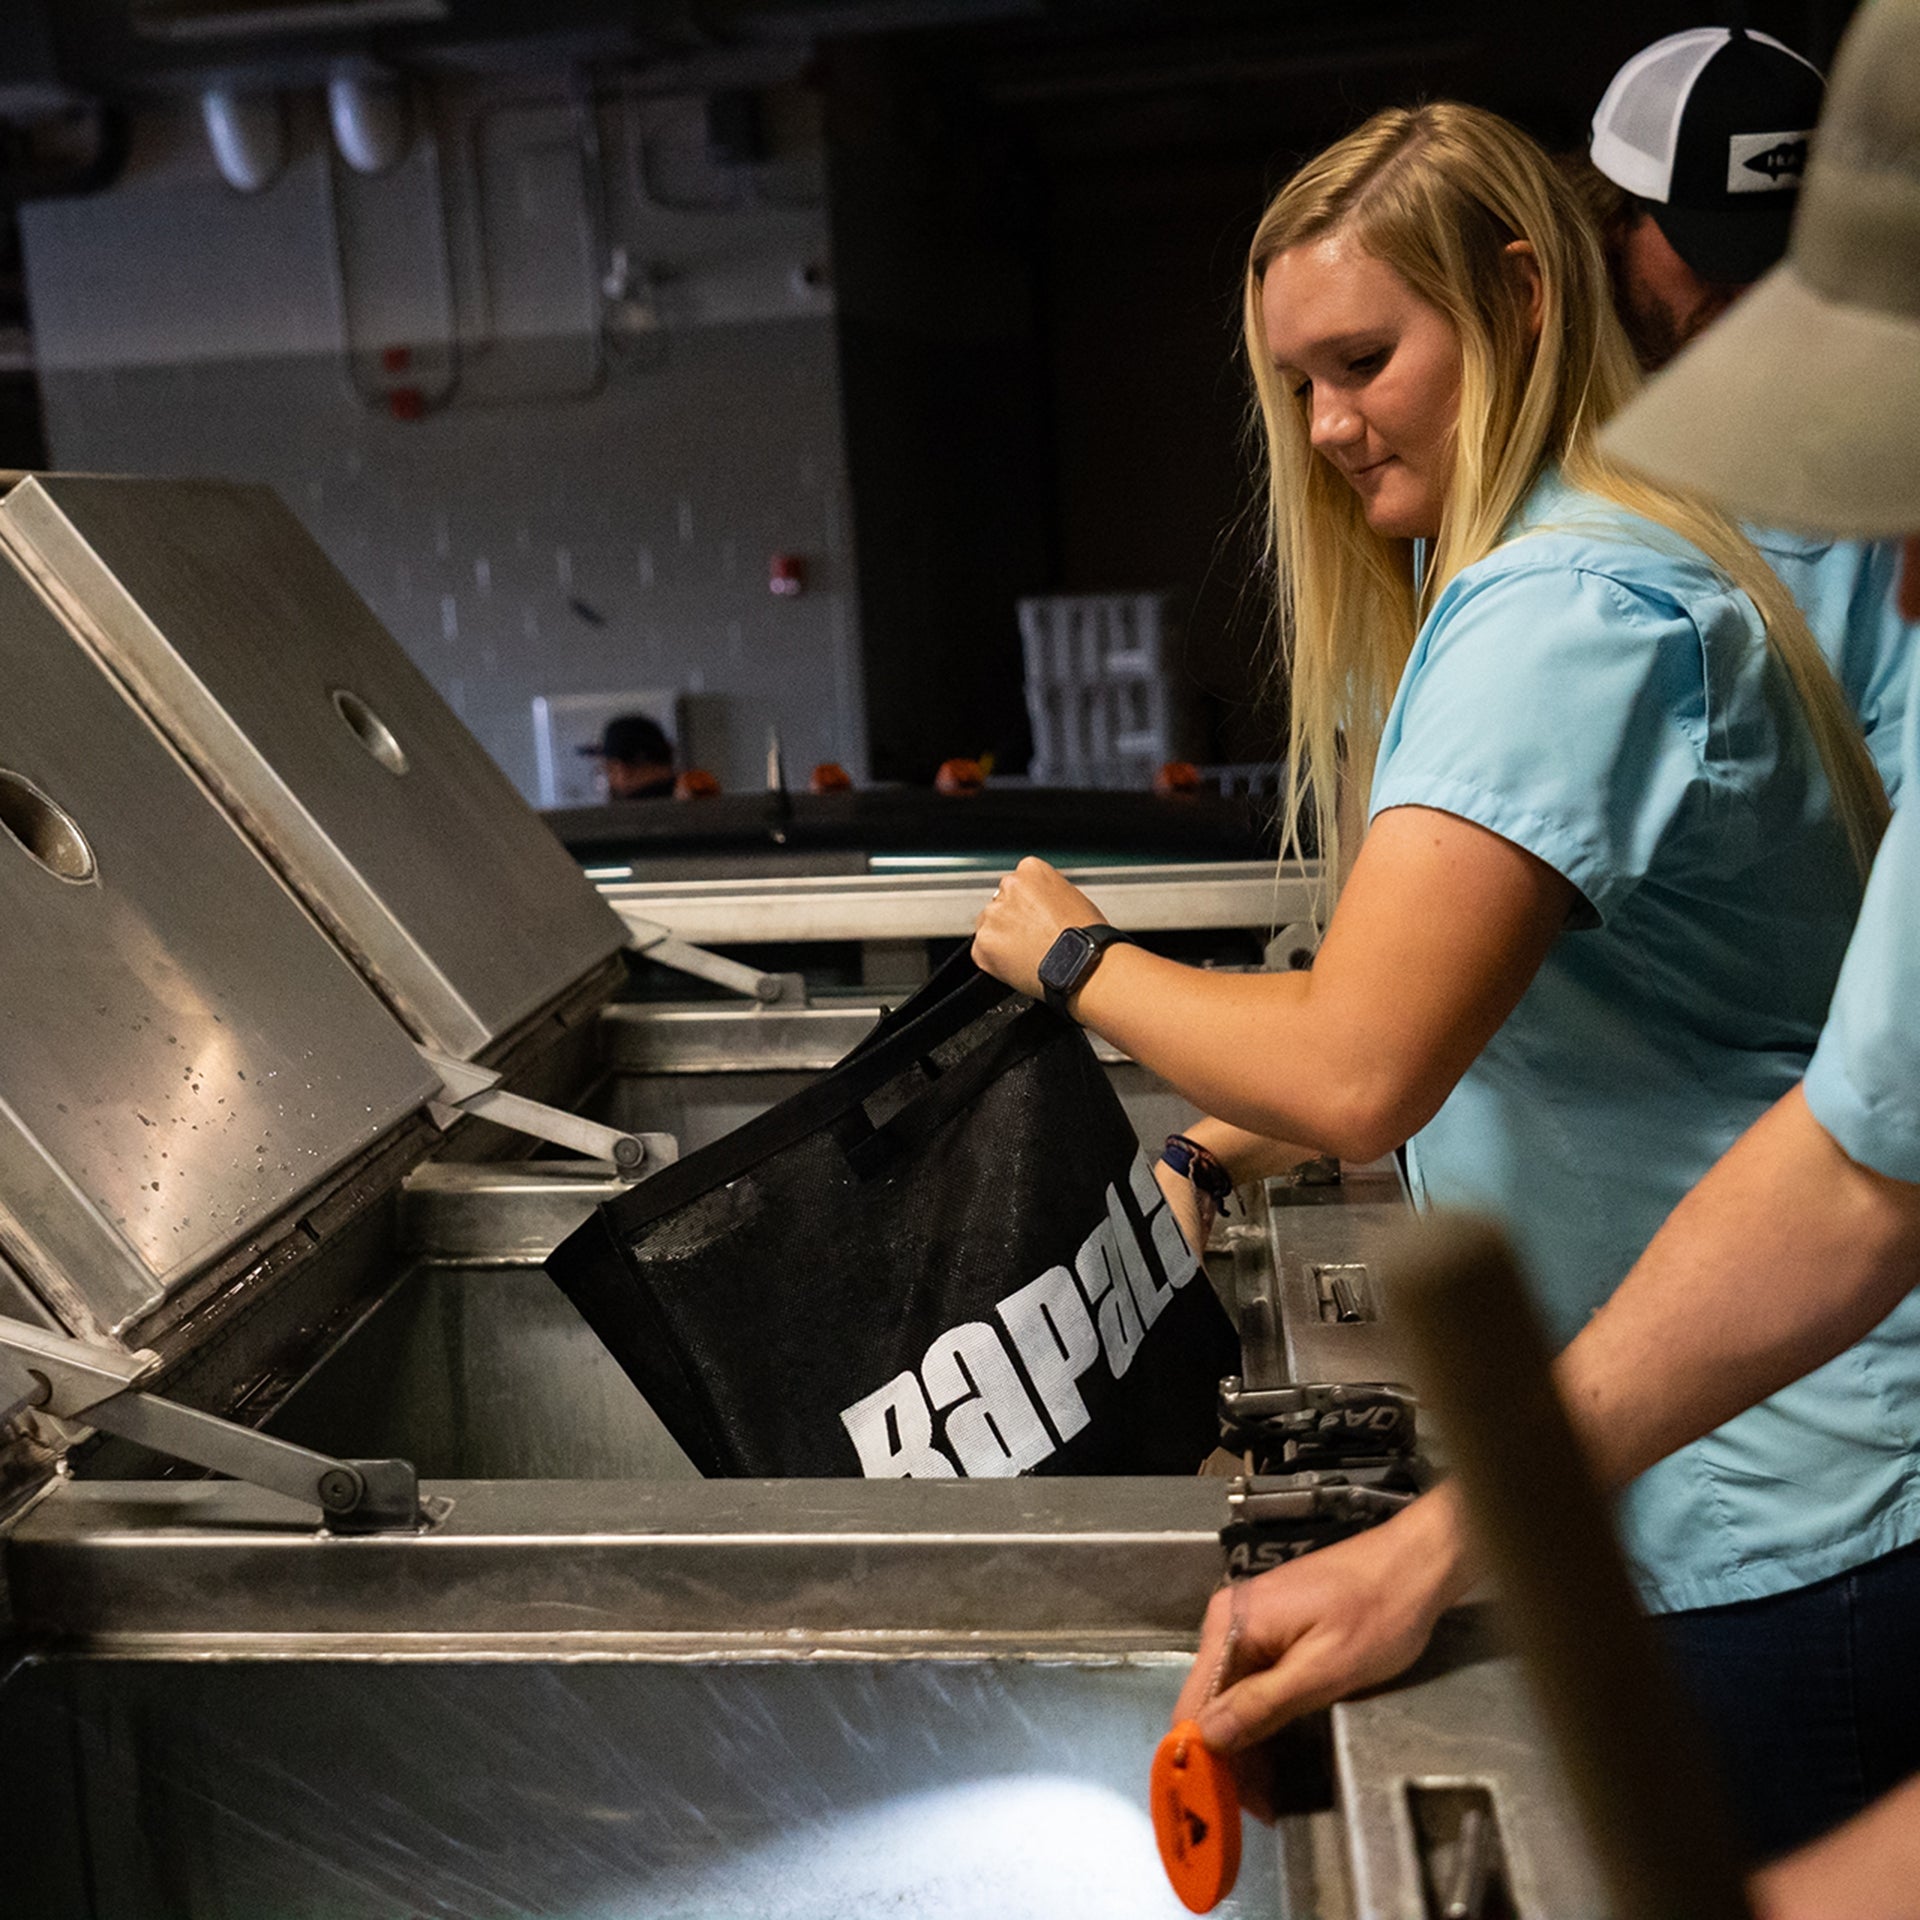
{"x": 1620, "y": 817}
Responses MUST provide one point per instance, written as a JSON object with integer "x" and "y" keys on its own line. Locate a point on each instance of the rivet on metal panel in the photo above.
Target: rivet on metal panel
{"x": 340, "y": 1489}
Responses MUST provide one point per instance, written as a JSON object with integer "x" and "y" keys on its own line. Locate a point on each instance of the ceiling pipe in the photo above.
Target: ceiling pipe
{"x": 248, "y": 135}
{"x": 369, "y": 116}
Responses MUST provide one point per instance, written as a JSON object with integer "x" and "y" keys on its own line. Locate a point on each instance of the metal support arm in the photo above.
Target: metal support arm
{"x": 74, "y": 1380}
{"x": 664, "y": 945}
{"x": 476, "y": 1090}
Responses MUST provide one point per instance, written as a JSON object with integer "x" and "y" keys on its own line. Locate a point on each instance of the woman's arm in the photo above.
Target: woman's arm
{"x": 1439, "y": 930}
{"x": 1248, "y": 1156}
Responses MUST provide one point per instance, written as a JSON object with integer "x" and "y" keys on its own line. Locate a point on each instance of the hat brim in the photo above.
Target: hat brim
{"x": 1793, "y": 411}
{"x": 1730, "y": 246}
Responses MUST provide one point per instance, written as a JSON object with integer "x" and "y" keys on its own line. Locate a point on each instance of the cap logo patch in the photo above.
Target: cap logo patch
{"x": 1766, "y": 162}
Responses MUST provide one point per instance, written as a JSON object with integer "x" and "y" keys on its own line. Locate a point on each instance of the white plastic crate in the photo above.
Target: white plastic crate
{"x": 1100, "y": 695}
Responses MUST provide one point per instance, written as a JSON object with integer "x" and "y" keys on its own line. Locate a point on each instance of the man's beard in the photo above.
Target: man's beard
{"x": 1651, "y": 329}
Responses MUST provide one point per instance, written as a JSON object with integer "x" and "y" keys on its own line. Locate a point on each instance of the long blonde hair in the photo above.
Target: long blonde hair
{"x": 1438, "y": 192}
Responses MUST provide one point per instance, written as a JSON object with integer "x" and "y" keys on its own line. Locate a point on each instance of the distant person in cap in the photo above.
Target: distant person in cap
{"x": 1699, "y": 147}
{"x": 1802, "y": 407}
{"x": 636, "y": 758}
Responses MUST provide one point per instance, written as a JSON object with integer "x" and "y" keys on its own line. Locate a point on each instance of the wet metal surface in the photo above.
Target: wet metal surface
{"x": 1002, "y": 1790}
{"x": 182, "y": 1054}
{"x": 482, "y": 1372}
{"x": 329, "y": 746}
{"x": 1466, "y": 1721}
{"x": 596, "y": 1566}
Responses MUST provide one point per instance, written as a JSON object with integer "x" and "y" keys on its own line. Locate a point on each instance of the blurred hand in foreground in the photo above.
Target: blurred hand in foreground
{"x": 1346, "y": 1617}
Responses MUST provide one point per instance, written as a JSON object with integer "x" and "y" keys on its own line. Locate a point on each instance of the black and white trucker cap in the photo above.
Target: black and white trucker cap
{"x": 1801, "y": 407}
{"x": 1710, "y": 128}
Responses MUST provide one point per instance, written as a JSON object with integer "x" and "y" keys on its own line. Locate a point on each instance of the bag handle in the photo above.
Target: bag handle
{"x": 957, "y": 995}
{"x": 954, "y": 995}
{"x": 950, "y": 1093}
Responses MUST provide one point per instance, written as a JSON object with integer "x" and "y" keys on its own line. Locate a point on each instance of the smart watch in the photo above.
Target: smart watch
{"x": 1071, "y": 959}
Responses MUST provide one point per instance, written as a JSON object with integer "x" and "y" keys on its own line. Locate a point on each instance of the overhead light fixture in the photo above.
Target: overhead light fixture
{"x": 248, "y": 135}
{"x": 368, "y": 109}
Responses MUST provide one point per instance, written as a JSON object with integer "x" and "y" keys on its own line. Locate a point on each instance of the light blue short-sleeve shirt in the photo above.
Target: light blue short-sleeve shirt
{"x": 1864, "y": 1084}
{"x": 1596, "y": 693}
{"x": 1845, "y": 588}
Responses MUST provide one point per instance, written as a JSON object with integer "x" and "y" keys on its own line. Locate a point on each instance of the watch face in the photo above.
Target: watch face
{"x": 1066, "y": 960}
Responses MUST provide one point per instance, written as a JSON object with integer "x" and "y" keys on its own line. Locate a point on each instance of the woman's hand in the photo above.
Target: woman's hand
{"x": 1311, "y": 1632}
{"x": 1029, "y": 911}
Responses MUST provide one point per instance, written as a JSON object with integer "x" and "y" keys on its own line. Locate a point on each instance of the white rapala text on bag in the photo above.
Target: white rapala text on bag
{"x": 1005, "y": 1397}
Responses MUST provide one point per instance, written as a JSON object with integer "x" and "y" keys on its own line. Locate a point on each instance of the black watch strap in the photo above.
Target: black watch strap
{"x": 1071, "y": 959}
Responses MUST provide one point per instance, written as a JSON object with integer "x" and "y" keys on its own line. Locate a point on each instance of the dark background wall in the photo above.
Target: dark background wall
{"x": 938, "y": 238}
{"x": 1004, "y": 355}
{"x": 1041, "y": 231}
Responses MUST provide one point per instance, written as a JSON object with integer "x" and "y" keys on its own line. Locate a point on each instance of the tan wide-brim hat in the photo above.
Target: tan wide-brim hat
{"x": 1801, "y": 408}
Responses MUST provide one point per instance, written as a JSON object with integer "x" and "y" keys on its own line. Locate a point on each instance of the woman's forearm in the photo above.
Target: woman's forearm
{"x": 1440, "y": 929}
{"x": 1220, "y": 1040}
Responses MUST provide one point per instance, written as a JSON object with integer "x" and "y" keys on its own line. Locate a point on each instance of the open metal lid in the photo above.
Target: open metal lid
{"x": 183, "y": 1054}
{"x": 269, "y": 674}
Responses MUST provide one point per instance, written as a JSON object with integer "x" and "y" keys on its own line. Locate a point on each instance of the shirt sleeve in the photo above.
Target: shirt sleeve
{"x": 1561, "y": 709}
{"x": 1864, "y": 1083}
{"x": 1890, "y": 643}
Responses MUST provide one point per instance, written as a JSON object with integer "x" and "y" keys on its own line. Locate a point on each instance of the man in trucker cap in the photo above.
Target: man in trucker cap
{"x": 1803, "y": 407}
{"x": 1800, "y": 407}
{"x": 1698, "y": 149}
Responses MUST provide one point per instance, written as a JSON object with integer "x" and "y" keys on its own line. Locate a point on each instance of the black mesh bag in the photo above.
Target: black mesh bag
{"x": 948, "y": 1256}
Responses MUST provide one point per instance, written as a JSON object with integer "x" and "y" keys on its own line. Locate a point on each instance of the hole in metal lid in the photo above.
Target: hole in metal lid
{"x": 370, "y": 730}
{"x": 45, "y": 832}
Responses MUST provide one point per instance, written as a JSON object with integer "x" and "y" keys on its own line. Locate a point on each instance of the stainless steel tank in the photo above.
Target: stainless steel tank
{"x": 283, "y": 952}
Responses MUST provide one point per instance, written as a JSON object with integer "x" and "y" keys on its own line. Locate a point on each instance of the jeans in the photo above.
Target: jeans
{"x": 1812, "y": 1698}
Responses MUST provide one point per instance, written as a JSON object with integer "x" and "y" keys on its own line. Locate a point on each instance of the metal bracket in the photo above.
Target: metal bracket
{"x": 1274, "y": 1518}
{"x": 1295, "y": 1429}
{"x": 664, "y": 945}
{"x": 74, "y": 1380}
{"x": 477, "y": 1090}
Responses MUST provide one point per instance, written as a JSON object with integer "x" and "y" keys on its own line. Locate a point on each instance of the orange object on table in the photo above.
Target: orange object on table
{"x": 695, "y": 784}
{"x": 960, "y": 776}
{"x": 830, "y": 777}
{"x": 1196, "y": 1818}
{"x": 1177, "y": 778}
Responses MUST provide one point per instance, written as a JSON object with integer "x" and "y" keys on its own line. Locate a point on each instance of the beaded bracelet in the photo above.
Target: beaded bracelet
{"x": 1192, "y": 1161}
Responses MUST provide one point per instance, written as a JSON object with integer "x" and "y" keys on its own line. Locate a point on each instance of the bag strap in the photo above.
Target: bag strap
{"x": 956, "y": 989}
{"x": 950, "y": 1002}
{"x": 952, "y": 1092}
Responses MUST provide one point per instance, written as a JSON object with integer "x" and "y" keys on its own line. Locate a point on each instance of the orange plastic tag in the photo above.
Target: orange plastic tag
{"x": 1196, "y": 1818}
